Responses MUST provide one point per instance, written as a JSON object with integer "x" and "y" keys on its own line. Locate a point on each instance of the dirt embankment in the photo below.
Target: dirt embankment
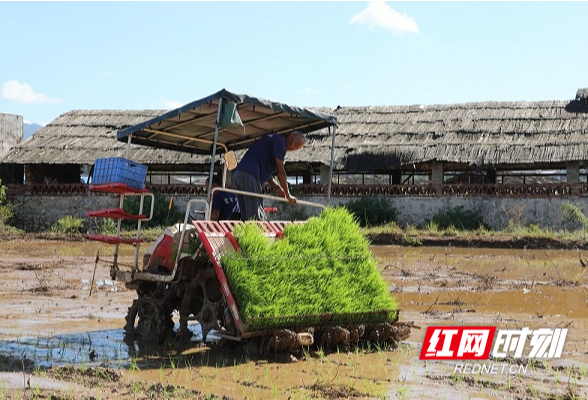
{"x": 490, "y": 242}
{"x": 498, "y": 241}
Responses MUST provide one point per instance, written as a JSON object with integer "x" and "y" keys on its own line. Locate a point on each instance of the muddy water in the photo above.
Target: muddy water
{"x": 48, "y": 317}
{"x": 506, "y": 288}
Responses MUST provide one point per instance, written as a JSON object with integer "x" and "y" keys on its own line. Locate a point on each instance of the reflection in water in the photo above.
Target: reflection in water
{"x": 109, "y": 348}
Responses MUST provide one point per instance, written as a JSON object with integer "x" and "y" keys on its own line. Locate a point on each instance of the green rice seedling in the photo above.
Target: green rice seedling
{"x": 215, "y": 379}
{"x": 531, "y": 390}
{"x": 321, "y": 267}
{"x": 83, "y": 368}
{"x": 402, "y": 392}
{"x": 36, "y": 391}
{"x": 234, "y": 371}
{"x": 265, "y": 372}
{"x": 274, "y": 390}
{"x": 320, "y": 352}
{"x": 248, "y": 372}
{"x": 136, "y": 387}
{"x": 134, "y": 366}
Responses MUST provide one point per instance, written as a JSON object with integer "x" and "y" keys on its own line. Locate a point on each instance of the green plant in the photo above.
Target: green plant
{"x": 572, "y": 213}
{"x": 458, "y": 218}
{"x": 134, "y": 366}
{"x": 68, "y": 225}
{"x": 104, "y": 226}
{"x": 165, "y": 213}
{"x": 372, "y": 211}
{"x": 312, "y": 271}
{"x": 7, "y": 209}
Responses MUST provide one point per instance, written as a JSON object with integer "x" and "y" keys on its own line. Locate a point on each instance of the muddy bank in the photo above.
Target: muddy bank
{"x": 490, "y": 242}
{"x": 498, "y": 241}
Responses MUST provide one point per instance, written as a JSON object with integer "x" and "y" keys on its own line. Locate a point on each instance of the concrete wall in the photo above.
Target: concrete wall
{"x": 497, "y": 212}
{"x": 39, "y": 213}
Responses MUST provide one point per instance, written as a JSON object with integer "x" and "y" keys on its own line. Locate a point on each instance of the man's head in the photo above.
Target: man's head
{"x": 295, "y": 141}
{"x": 216, "y": 181}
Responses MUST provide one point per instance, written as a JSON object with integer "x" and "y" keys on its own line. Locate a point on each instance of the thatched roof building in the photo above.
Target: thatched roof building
{"x": 81, "y": 136}
{"x": 503, "y": 135}
{"x": 471, "y": 136}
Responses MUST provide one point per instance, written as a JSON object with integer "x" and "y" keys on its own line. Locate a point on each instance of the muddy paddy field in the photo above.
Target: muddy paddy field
{"x": 59, "y": 342}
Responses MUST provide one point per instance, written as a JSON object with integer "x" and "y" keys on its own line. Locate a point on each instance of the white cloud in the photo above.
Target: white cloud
{"x": 379, "y": 15}
{"x": 308, "y": 90}
{"x": 171, "y": 104}
{"x": 23, "y": 93}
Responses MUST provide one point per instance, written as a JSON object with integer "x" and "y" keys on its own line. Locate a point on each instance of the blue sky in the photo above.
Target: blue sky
{"x": 60, "y": 56}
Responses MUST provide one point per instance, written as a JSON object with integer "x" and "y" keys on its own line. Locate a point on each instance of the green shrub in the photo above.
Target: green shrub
{"x": 103, "y": 226}
{"x": 459, "y": 218}
{"x": 163, "y": 215}
{"x": 68, "y": 225}
{"x": 572, "y": 213}
{"x": 372, "y": 211}
{"x": 321, "y": 267}
{"x": 7, "y": 209}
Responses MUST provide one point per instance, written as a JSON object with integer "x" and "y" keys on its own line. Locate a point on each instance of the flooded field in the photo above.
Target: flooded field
{"x": 58, "y": 340}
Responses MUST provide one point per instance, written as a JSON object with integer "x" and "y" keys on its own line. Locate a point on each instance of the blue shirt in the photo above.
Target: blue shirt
{"x": 260, "y": 160}
{"x": 226, "y": 204}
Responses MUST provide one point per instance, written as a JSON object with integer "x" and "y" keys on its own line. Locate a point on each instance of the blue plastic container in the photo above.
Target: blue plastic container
{"x": 119, "y": 170}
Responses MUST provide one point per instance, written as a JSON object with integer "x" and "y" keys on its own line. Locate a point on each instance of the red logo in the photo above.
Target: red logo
{"x": 457, "y": 343}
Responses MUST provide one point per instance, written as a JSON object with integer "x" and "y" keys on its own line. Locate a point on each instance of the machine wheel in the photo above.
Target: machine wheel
{"x": 150, "y": 316}
{"x": 202, "y": 301}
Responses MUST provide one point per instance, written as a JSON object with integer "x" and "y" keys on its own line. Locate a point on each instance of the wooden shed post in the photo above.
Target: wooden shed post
{"x": 573, "y": 172}
{"x": 437, "y": 176}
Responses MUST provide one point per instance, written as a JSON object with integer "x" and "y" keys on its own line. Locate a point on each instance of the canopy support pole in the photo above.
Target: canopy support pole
{"x": 331, "y": 166}
{"x": 211, "y": 174}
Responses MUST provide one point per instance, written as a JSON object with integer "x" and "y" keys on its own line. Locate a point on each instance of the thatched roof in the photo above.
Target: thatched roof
{"x": 82, "y": 136}
{"x": 486, "y": 133}
{"x": 480, "y": 134}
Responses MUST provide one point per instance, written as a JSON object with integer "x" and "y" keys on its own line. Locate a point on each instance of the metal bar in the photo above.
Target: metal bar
{"x": 187, "y": 138}
{"x": 211, "y": 174}
{"x": 332, "y": 162}
{"x": 265, "y": 196}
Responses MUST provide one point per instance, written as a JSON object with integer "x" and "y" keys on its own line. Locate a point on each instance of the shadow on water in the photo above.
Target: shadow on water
{"x": 110, "y": 348}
